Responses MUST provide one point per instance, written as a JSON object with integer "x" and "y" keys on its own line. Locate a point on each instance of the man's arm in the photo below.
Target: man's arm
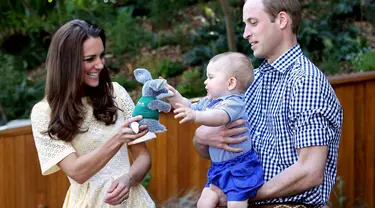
{"x": 219, "y": 137}
{"x": 201, "y": 149}
{"x": 306, "y": 173}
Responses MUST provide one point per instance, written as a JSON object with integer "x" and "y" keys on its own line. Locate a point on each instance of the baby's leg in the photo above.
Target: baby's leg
{"x": 237, "y": 204}
{"x": 208, "y": 199}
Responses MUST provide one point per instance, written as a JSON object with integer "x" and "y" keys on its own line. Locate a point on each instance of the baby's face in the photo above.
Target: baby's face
{"x": 216, "y": 82}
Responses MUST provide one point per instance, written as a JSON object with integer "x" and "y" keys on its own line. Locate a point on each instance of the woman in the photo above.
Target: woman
{"x": 81, "y": 126}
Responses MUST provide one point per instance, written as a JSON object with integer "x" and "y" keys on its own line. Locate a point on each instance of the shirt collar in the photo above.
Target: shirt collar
{"x": 285, "y": 61}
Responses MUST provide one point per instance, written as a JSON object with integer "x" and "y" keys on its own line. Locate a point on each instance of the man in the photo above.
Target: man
{"x": 295, "y": 117}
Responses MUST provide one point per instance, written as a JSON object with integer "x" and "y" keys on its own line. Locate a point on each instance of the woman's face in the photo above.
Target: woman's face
{"x": 93, "y": 60}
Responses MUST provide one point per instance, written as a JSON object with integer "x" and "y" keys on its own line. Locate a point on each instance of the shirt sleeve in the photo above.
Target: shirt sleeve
{"x": 123, "y": 100}
{"x": 316, "y": 113}
{"x": 234, "y": 107}
{"x": 198, "y": 106}
{"x": 50, "y": 151}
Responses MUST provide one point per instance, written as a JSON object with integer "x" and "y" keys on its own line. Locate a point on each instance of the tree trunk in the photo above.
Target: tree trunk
{"x": 229, "y": 25}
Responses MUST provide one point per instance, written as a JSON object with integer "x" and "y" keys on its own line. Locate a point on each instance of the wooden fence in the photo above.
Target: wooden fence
{"x": 176, "y": 168}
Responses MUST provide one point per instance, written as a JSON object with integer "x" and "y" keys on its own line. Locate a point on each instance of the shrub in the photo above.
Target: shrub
{"x": 364, "y": 61}
{"x": 191, "y": 84}
{"x": 168, "y": 68}
{"x": 18, "y": 94}
{"x": 127, "y": 83}
{"x": 125, "y": 36}
{"x": 330, "y": 66}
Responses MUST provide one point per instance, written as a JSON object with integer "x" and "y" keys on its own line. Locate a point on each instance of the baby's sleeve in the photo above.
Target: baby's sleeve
{"x": 200, "y": 105}
{"x": 234, "y": 107}
{"x": 123, "y": 100}
{"x": 50, "y": 151}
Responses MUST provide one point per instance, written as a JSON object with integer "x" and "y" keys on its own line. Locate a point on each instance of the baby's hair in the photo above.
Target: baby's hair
{"x": 237, "y": 65}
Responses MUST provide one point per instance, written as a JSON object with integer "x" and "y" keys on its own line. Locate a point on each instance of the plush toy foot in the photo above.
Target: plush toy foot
{"x": 159, "y": 131}
{"x": 135, "y": 127}
{"x": 148, "y": 136}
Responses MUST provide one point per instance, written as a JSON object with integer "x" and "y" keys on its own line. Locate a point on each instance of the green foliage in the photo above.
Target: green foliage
{"x": 168, "y": 68}
{"x": 364, "y": 61}
{"x": 328, "y": 36}
{"x": 125, "y": 35}
{"x": 146, "y": 180}
{"x": 332, "y": 33}
{"x": 150, "y": 63}
{"x": 176, "y": 37}
{"x": 338, "y": 193}
{"x": 127, "y": 83}
{"x": 27, "y": 27}
{"x": 368, "y": 8}
{"x": 163, "y": 11}
{"x": 200, "y": 55}
{"x": 192, "y": 84}
{"x": 330, "y": 66}
{"x": 210, "y": 37}
{"x": 18, "y": 94}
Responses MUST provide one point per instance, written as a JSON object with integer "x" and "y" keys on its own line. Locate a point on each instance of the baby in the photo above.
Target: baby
{"x": 238, "y": 175}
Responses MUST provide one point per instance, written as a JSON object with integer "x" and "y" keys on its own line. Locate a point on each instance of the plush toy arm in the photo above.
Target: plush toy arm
{"x": 159, "y": 105}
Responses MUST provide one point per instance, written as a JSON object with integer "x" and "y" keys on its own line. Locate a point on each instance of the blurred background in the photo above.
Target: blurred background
{"x": 175, "y": 39}
{"x": 171, "y": 38}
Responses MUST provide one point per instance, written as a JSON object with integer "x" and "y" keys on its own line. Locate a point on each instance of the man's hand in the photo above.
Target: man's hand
{"x": 187, "y": 114}
{"x": 222, "y": 197}
{"x": 219, "y": 137}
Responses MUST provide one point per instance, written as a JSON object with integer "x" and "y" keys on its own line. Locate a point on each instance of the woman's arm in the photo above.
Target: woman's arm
{"x": 82, "y": 167}
{"x": 119, "y": 190}
{"x": 141, "y": 163}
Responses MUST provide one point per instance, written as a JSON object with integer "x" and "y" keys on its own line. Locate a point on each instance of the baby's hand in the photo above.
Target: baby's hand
{"x": 183, "y": 112}
{"x": 174, "y": 95}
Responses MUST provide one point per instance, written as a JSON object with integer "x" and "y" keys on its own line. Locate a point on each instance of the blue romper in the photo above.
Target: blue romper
{"x": 238, "y": 175}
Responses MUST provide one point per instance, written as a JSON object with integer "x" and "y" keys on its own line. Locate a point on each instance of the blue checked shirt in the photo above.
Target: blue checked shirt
{"x": 292, "y": 105}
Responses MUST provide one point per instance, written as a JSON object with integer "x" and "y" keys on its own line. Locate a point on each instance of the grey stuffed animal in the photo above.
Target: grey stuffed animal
{"x": 149, "y": 105}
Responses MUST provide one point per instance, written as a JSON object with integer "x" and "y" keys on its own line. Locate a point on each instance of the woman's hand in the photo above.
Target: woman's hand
{"x": 126, "y": 134}
{"x": 119, "y": 191}
{"x": 220, "y": 137}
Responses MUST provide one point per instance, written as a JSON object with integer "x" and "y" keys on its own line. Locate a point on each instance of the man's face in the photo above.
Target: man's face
{"x": 262, "y": 34}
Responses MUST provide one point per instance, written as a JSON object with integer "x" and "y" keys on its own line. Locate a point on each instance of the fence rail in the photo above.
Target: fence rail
{"x": 176, "y": 168}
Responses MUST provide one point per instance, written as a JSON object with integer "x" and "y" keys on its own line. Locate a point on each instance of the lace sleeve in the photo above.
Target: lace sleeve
{"x": 50, "y": 151}
{"x": 123, "y": 100}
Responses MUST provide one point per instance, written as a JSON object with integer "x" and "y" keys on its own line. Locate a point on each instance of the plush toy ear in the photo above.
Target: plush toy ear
{"x": 157, "y": 84}
{"x": 142, "y": 75}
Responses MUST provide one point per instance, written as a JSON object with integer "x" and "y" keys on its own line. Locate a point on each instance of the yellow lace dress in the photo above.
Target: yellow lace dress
{"x": 92, "y": 192}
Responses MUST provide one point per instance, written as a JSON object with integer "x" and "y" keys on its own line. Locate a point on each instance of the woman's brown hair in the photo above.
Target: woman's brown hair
{"x": 65, "y": 82}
